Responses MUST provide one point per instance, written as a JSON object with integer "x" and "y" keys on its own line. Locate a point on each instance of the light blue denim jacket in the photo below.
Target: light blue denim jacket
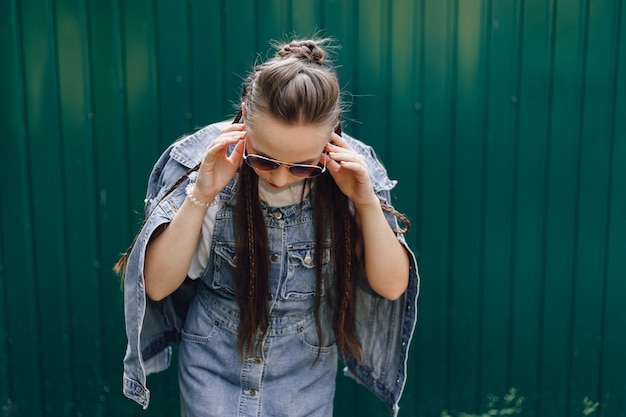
{"x": 384, "y": 328}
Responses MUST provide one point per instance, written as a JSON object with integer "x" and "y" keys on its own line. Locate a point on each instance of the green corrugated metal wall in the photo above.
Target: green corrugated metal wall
{"x": 504, "y": 120}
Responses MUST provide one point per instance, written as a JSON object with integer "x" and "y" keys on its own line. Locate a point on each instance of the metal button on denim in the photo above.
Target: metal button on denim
{"x": 275, "y": 257}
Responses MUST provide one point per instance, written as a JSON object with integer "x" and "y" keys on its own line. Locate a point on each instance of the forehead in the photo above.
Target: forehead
{"x": 289, "y": 143}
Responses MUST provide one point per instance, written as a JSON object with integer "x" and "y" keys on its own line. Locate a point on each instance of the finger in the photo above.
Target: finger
{"x": 332, "y": 165}
{"x": 340, "y": 149}
{"x": 237, "y": 153}
{"x": 354, "y": 167}
{"x": 339, "y": 141}
{"x": 225, "y": 140}
{"x": 233, "y": 127}
{"x": 227, "y": 135}
{"x": 345, "y": 155}
{"x": 336, "y": 150}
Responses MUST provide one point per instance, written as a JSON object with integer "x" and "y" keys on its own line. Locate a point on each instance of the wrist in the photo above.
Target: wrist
{"x": 372, "y": 203}
{"x": 200, "y": 202}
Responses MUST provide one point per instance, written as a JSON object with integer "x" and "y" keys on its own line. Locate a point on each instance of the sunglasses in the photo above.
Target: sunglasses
{"x": 264, "y": 163}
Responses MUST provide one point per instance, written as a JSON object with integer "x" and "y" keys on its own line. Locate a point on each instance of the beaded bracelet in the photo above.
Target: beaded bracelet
{"x": 189, "y": 191}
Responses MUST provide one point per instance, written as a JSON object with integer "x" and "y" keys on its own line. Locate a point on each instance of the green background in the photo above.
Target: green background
{"x": 503, "y": 120}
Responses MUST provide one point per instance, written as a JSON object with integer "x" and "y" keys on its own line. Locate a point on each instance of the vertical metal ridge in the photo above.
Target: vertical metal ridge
{"x": 519, "y": 33}
{"x": 551, "y": 35}
{"x": 224, "y": 57}
{"x": 486, "y": 15}
{"x": 256, "y": 23}
{"x": 63, "y": 201}
{"x": 290, "y": 23}
{"x": 152, "y": 14}
{"x": 619, "y": 9}
{"x": 418, "y": 94}
{"x": 386, "y": 15}
{"x": 190, "y": 66}
{"x": 5, "y": 359}
{"x": 582, "y": 74}
{"x": 26, "y": 196}
{"x": 94, "y": 181}
{"x": 418, "y": 65}
{"x": 321, "y": 11}
{"x": 355, "y": 68}
{"x": 124, "y": 106}
{"x": 53, "y": 41}
{"x": 451, "y": 74}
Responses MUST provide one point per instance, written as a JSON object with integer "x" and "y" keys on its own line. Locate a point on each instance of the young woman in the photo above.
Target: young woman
{"x": 269, "y": 250}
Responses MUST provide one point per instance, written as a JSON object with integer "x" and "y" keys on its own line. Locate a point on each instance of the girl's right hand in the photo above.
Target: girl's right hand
{"x": 218, "y": 168}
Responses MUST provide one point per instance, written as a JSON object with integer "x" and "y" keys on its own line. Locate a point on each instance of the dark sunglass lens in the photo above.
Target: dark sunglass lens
{"x": 261, "y": 163}
{"x": 305, "y": 170}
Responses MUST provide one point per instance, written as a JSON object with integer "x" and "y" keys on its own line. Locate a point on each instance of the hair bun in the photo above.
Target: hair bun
{"x": 305, "y": 50}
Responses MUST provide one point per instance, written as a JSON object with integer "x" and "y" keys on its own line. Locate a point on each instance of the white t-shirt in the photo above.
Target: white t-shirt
{"x": 274, "y": 198}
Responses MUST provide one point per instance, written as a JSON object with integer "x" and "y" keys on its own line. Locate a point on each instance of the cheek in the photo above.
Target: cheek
{"x": 265, "y": 175}
{"x": 261, "y": 174}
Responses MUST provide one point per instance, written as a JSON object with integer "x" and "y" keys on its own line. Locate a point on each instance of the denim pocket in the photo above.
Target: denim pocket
{"x": 311, "y": 342}
{"x": 224, "y": 267}
{"x": 300, "y": 279}
{"x": 199, "y": 327}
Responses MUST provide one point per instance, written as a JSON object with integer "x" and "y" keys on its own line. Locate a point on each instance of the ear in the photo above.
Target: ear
{"x": 243, "y": 111}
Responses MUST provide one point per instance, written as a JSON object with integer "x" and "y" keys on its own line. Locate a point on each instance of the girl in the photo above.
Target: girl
{"x": 270, "y": 249}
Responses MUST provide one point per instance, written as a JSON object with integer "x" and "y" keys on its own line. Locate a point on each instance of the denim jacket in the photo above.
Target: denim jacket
{"x": 384, "y": 328}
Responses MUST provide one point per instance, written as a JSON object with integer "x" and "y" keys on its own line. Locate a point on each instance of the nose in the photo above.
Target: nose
{"x": 281, "y": 176}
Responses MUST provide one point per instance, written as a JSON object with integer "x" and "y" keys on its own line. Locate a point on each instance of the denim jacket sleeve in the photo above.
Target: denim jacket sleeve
{"x": 153, "y": 327}
{"x": 384, "y": 328}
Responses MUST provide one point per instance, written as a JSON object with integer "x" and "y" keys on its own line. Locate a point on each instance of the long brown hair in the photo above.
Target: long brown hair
{"x": 296, "y": 87}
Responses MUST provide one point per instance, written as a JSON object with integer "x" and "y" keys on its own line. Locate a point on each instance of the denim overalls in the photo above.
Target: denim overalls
{"x": 202, "y": 316}
{"x": 283, "y": 378}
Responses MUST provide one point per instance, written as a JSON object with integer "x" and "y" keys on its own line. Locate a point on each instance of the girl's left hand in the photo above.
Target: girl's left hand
{"x": 349, "y": 169}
